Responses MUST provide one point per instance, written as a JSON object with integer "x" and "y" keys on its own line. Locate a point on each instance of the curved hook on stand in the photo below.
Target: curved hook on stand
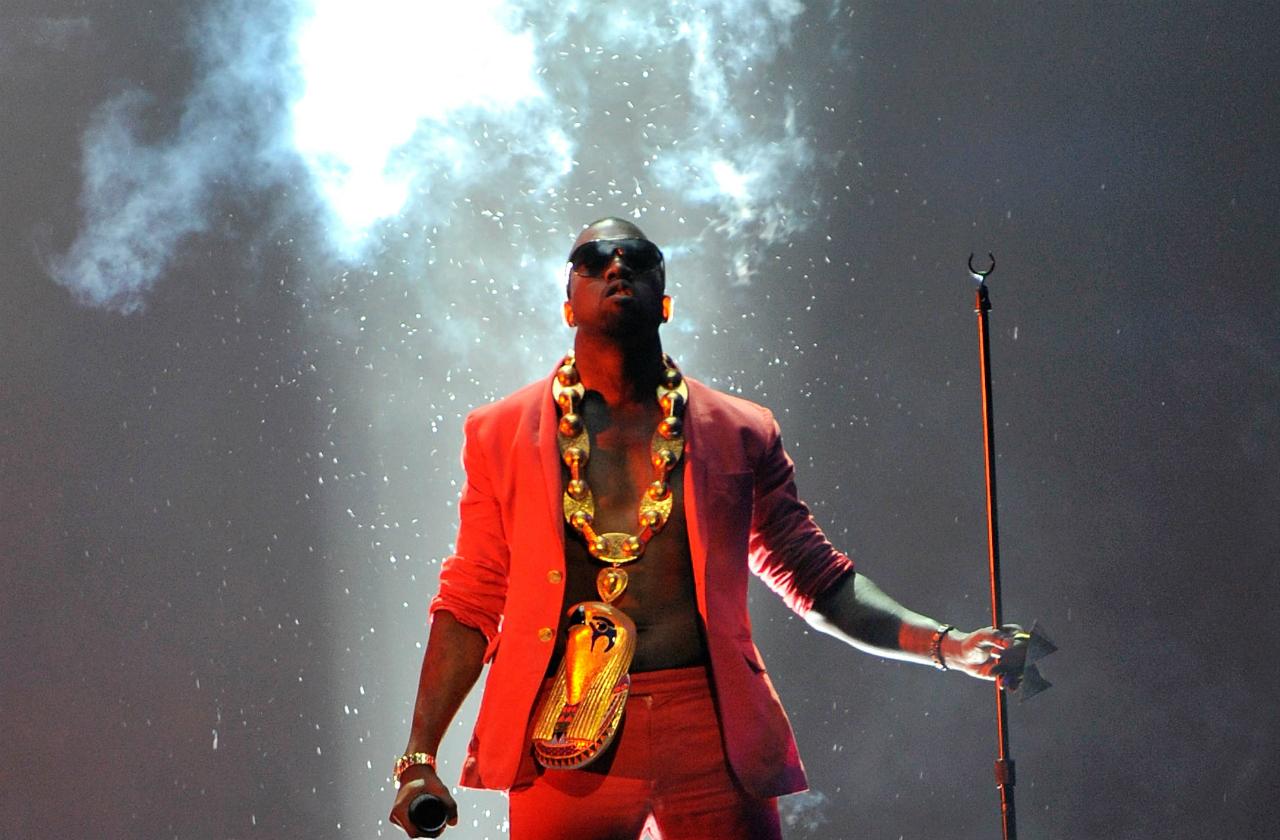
{"x": 981, "y": 276}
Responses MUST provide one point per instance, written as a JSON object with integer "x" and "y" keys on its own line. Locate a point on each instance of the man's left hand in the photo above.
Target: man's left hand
{"x": 985, "y": 653}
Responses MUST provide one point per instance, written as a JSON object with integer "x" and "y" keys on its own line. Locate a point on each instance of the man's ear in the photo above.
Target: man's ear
{"x": 568, "y": 315}
{"x": 667, "y": 307}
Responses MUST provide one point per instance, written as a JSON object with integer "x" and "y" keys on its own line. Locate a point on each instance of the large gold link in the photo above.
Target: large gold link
{"x": 666, "y": 450}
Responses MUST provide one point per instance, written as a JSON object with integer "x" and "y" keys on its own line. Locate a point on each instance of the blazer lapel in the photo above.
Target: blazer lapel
{"x": 696, "y": 431}
{"x": 549, "y": 455}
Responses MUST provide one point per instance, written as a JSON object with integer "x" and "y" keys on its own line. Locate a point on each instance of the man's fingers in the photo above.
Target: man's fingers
{"x": 995, "y": 645}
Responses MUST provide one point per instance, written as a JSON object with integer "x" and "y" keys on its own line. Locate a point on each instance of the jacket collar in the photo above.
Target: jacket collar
{"x": 549, "y": 455}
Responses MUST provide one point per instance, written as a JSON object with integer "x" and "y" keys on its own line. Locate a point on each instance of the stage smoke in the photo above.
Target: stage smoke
{"x": 498, "y": 126}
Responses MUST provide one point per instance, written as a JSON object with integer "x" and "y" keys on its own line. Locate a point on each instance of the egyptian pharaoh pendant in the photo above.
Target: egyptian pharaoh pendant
{"x": 580, "y": 714}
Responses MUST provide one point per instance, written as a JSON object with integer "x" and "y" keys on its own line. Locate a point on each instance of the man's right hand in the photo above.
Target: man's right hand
{"x": 414, "y": 782}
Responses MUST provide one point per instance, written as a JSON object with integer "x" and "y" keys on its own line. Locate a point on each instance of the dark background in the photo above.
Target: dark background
{"x": 224, "y": 491}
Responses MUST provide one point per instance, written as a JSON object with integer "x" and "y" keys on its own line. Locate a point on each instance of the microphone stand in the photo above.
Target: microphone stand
{"x": 1004, "y": 763}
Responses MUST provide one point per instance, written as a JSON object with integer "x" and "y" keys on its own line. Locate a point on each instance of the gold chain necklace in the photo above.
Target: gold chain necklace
{"x": 666, "y": 449}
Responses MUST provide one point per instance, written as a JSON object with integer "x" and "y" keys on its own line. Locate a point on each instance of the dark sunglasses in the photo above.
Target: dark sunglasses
{"x": 592, "y": 258}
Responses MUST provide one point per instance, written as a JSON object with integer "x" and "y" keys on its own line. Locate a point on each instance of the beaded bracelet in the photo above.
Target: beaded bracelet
{"x": 935, "y": 647}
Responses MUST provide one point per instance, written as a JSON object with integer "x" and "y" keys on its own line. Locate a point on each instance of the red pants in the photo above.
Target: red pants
{"x": 665, "y": 775}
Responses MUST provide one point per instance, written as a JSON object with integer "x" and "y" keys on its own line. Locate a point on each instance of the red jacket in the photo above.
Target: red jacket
{"x": 506, "y": 575}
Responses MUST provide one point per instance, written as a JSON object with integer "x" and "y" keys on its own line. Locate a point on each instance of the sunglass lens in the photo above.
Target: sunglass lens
{"x": 592, "y": 257}
{"x": 644, "y": 256}
{"x": 638, "y": 254}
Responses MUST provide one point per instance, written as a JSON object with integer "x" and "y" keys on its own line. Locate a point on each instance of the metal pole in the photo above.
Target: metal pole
{"x": 1004, "y": 763}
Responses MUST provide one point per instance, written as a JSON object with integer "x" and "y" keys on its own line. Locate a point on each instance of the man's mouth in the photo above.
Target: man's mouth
{"x": 620, "y": 290}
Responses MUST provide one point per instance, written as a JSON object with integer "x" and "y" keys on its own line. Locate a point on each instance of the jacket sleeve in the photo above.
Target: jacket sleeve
{"x": 788, "y": 551}
{"x": 473, "y": 580}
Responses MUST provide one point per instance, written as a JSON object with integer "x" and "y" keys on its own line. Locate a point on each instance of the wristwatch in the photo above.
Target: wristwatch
{"x": 408, "y": 760}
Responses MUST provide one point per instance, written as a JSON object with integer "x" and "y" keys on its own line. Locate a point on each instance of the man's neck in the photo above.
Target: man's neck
{"x": 621, "y": 373}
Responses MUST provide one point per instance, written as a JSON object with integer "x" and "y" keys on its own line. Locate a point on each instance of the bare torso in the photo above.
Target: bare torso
{"x": 660, "y": 596}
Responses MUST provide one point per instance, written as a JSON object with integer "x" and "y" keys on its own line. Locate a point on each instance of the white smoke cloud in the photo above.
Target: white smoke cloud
{"x": 490, "y": 125}
{"x": 400, "y": 109}
{"x": 138, "y": 201}
{"x": 142, "y": 199}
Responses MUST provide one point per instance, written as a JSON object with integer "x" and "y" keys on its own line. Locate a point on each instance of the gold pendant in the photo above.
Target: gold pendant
{"x": 580, "y": 713}
{"x": 610, "y": 583}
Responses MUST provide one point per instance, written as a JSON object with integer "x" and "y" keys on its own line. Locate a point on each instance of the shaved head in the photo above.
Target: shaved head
{"x": 607, "y": 228}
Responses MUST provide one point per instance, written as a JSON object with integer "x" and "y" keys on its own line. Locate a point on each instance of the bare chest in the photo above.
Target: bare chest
{"x": 661, "y": 594}
{"x": 620, "y": 467}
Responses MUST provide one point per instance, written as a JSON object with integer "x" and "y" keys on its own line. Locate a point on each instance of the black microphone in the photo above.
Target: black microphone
{"x": 428, "y": 814}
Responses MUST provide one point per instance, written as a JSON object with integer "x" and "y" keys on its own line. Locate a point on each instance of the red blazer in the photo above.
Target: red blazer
{"x": 506, "y": 575}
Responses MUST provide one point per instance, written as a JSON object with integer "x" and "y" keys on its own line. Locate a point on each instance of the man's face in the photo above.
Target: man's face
{"x": 616, "y": 280}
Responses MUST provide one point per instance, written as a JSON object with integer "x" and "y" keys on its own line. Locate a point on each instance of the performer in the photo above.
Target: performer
{"x": 608, "y": 521}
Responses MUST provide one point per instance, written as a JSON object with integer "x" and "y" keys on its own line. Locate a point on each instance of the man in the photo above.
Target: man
{"x": 601, "y": 565}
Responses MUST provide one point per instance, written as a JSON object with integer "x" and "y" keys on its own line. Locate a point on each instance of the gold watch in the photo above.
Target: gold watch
{"x": 408, "y": 760}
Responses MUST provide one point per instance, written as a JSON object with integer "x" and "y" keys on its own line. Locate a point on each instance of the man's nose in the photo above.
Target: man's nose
{"x": 617, "y": 267}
